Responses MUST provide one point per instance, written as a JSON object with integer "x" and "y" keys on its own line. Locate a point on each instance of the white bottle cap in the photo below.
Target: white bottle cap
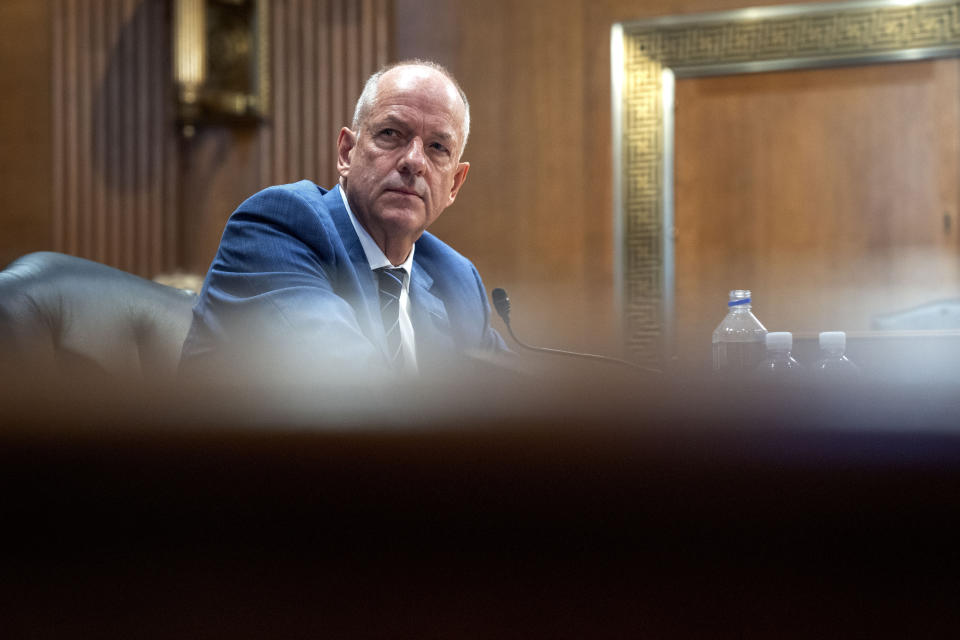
{"x": 779, "y": 340}
{"x": 833, "y": 340}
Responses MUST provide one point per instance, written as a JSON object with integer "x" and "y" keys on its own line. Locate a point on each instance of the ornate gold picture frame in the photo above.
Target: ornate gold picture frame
{"x": 647, "y": 56}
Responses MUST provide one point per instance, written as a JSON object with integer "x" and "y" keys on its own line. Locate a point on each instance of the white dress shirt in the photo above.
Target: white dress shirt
{"x": 377, "y": 260}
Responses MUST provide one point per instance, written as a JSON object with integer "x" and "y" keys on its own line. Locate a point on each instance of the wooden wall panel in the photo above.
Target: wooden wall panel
{"x": 25, "y": 143}
{"x": 829, "y": 193}
{"x": 114, "y": 143}
{"x": 322, "y": 52}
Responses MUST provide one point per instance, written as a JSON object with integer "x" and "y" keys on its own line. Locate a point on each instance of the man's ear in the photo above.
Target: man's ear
{"x": 458, "y": 178}
{"x": 346, "y": 143}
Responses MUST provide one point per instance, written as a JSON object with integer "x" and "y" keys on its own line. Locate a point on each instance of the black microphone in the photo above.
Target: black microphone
{"x": 501, "y": 302}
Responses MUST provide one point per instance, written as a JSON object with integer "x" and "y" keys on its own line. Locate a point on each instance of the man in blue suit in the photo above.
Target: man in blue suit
{"x": 348, "y": 281}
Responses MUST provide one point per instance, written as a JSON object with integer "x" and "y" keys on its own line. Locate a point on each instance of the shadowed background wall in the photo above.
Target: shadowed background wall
{"x": 87, "y": 127}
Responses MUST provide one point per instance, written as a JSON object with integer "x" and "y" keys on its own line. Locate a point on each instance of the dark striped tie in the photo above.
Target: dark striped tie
{"x": 391, "y": 283}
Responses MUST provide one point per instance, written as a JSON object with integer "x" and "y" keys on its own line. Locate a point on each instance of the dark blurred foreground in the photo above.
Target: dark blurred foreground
{"x": 589, "y": 504}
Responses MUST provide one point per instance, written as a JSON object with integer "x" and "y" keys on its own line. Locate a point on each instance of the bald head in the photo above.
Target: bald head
{"x": 406, "y": 74}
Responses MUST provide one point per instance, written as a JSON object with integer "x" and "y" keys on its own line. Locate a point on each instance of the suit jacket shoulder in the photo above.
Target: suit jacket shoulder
{"x": 285, "y": 287}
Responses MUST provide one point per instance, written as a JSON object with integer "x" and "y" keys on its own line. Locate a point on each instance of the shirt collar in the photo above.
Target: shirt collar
{"x": 375, "y": 256}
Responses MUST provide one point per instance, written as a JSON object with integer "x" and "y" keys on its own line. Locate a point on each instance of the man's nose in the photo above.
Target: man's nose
{"x": 413, "y": 160}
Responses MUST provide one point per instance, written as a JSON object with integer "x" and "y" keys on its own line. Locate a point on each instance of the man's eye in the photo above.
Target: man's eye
{"x": 439, "y": 147}
{"x": 389, "y": 133}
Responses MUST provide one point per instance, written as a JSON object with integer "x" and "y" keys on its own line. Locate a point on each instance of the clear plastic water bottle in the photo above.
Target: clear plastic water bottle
{"x": 779, "y": 363}
{"x": 738, "y": 340}
{"x": 834, "y": 365}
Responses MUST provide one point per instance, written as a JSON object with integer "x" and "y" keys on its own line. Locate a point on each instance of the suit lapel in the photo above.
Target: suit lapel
{"x": 431, "y": 324}
{"x": 365, "y": 277}
{"x": 348, "y": 234}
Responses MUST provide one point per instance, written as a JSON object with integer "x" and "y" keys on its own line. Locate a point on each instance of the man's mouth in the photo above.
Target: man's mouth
{"x": 405, "y": 192}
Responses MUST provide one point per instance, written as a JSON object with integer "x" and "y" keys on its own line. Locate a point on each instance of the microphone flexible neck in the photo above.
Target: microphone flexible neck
{"x": 502, "y": 304}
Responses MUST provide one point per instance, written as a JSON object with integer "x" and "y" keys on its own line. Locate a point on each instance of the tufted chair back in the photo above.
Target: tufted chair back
{"x": 61, "y": 313}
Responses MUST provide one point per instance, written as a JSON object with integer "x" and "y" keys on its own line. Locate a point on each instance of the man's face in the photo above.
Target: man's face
{"x": 402, "y": 168}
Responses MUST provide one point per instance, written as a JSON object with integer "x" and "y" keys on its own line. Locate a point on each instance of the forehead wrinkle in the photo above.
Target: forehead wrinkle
{"x": 443, "y": 131}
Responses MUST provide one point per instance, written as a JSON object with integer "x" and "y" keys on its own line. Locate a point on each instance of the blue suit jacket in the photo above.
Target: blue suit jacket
{"x": 290, "y": 281}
